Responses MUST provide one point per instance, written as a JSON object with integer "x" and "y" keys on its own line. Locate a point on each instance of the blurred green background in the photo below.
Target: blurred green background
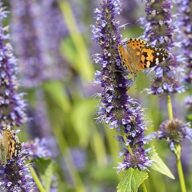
{"x": 86, "y": 150}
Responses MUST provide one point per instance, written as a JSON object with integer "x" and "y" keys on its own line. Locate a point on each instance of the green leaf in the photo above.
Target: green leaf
{"x": 81, "y": 118}
{"x": 105, "y": 174}
{"x": 131, "y": 180}
{"x": 189, "y": 117}
{"x": 56, "y": 91}
{"x": 68, "y": 50}
{"x": 159, "y": 166}
{"x": 82, "y": 57}
{"x": 45, "y": 170}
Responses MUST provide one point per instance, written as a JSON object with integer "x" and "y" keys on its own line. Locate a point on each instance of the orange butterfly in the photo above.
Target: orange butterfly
{"x": 9, "y": 146}
{"x": 137, "y": 55}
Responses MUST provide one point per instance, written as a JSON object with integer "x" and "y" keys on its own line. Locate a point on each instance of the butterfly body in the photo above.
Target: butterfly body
{"x": 137, "y": 55}
{"x": 9, "y": 146}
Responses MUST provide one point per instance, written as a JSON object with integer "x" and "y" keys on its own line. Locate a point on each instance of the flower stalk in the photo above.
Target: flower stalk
{"x": 177, "y": 150}
{"x": 169, "y": 107}
{"x": 160, "y": 32}
{"x": 179, "y": 168}
{"x": 117, "y": 108}
{"x": 36, "y": 179}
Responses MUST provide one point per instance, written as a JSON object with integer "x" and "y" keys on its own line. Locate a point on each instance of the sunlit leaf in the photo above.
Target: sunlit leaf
{"x": 159, "y": 166}
{"x": 45, "y": 170}
{"x": 131, "y": 180}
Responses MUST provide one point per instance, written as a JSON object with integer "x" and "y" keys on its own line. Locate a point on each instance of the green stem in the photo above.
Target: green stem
{"x": 181, "y": 176}
{"x": 124, "y": 137}
{"x": 169, "y": 107}
{"x": 63, "y": 146}
{"x": 180, "y": 169}
{"x": 36, "y": 179}
{"x": 130, "y": 150}
{"x": 144, "y": 188}
{"x": 177, "y": 149}
{"x": 99, "y": 148}
{"x": 83, "y": 61}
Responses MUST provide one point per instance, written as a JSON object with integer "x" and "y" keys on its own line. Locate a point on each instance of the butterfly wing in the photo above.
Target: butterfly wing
{"x": 138, "y": 55}
{"x": 134, "y": 48}
{"x": 136, "y": 43}
{"x": 11, "y": 144}
{"x": 3, "y": 158}
{"x": 128, "y": 57}
{"x": 14, "y": 146}
{"x": 151, "y": 56}
{"x": 123, "y": 55}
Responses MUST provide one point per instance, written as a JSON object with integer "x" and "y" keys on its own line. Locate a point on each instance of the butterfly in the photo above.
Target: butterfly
{"x": 9, "y": 146}
{"x": 137, "y": 55}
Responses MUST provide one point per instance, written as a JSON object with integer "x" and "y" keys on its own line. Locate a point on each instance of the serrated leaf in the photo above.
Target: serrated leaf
{"x": 45, "y": 170}
{"x": 159, "y": 166}
{"x": 131, "y": 180}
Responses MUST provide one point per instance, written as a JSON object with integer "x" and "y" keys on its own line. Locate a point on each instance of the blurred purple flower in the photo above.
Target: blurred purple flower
{"x": 188, "y": 103}
{"x": 39, "y": 125}
{"x": 36, "y": 148}
{"x": 79, "y": 158}
{"x": 12, "y": 105}
{"x": 159, "y": 32}
{"x": 37, "y": 31}
{"x": 14, "y": 174}
{"x": 117, "y": 109}
{"x": 185, "y": 24}
{"x": 128, "y": 13}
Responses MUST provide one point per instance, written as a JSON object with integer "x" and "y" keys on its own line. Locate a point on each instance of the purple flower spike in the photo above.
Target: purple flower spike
{"x": 15, "y": 177}
{"x": 117, "y": 109}
{"x": 11, "y": 103}
{"x": 37, "y": 31}
{"x": 159, "y": 33}
{"x": 185, "y": 24}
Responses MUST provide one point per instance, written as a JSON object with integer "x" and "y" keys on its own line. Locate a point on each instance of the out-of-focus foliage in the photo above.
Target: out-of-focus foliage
{"x": 86, "y": 153}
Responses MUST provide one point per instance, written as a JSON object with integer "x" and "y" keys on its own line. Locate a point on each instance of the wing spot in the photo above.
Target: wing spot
{"x": 148, "y": 64}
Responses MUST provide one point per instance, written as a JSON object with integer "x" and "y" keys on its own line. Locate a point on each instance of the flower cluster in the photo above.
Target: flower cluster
{"x": 11, "y": 104}
{"x": 16, "y": 177}
{"x": 185, "y": 24}
{"x": 174, "y": 131}
{"x": 118, "y": 109}
{"x": 36, "y": 148}
{"x": 159, "y": 32}
{"x": 37, "y": 31}
{"x": 128, "y": 13}
{"x": 14, "y": 171}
